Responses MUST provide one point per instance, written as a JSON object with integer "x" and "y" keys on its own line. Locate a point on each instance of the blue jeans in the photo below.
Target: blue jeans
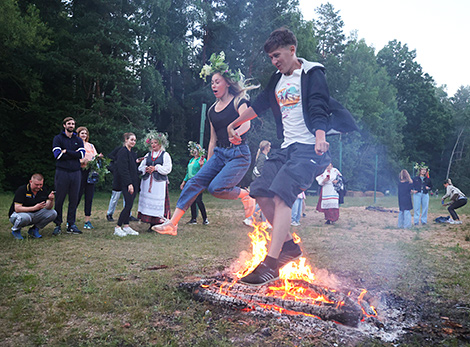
{"x": 420, "y": 201}
{"x": 219, "y": 175}
{"x": 297, "y": 210}
{"x": 404, "y": 219}
{"x": 115, "y": 195}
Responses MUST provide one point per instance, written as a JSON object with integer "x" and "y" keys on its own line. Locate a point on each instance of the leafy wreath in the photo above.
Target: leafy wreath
{"x": 194, "y": 146}
{"x": 218, "y": 64}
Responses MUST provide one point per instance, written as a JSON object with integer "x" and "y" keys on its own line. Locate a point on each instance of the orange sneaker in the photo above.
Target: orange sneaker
{"x": 167, "y": 228}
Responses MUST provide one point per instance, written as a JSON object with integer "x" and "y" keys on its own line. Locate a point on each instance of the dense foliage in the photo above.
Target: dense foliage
{"x": 118, "y": 66}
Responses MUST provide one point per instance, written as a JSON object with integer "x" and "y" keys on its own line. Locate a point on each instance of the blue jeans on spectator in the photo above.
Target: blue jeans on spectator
{"x": 297, "y": 210}
{"x": 220, "y": 175}
{"x": 420, "y": 201}
{"x": 404, "y": 219}
{"x": 115, "y": 195}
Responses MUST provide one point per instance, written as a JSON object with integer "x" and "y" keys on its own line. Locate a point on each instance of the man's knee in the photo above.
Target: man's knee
{"x": 52, "y": 215}
{"x": 20, "y": 220}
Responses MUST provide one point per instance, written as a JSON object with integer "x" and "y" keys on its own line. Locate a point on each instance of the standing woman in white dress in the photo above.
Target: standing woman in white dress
{"x": 328, "y": 201}
{"x": 154, "y": 203}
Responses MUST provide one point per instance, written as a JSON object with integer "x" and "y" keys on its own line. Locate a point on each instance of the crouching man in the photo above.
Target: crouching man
{"x": 32, "y": 205}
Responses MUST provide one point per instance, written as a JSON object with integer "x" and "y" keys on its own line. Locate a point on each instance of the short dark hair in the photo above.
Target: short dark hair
{"x": 67, "y": 119}
{"x": 280, "y": 38}
{"x": 37, "y": 177}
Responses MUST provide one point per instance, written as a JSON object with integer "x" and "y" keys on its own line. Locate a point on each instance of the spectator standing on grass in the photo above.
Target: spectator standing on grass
{"x": 405, "y": 186}
{"x": 298, "y": 96}
{"x": 195, "y": 163}
{"x": 227, "y": 162}
{"x": 154, "y": 202}
{"x": 128, "y": 177}
{"x": 32, "y": 205}
{"x": 87, "y": 185}
{"x": 297, "y": 209}
{"x": 68, "y": 149}
{"x": 421, "y": 186}
{"x": 458, "y": 199}
{"x": 116, "y": 188}
{"x": 328, "y": 199}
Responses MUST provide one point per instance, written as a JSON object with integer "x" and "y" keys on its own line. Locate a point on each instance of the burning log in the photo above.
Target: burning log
{"x": 325, "y": 304}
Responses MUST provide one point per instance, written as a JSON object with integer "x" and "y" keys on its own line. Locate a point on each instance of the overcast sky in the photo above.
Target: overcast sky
{"x": 438, "y": 30}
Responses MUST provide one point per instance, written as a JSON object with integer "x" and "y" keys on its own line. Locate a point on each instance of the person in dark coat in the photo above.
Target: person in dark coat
{"x": 405, "y": 186}
{"x": 128, "y": 176}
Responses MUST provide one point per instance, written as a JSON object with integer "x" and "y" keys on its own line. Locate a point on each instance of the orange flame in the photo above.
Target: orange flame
{"x": 295, "y": 270}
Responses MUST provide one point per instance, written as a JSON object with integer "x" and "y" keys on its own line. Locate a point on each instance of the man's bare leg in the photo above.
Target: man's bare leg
{"x": 170, "y": 227}
{"x": 268, "y": 206}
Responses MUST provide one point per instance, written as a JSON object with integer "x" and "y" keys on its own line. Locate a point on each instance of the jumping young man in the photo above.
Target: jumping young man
{"x": 298, "y": 96}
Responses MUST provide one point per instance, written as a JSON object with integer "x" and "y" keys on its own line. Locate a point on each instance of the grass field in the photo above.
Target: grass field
{"x": 97, "y": 289}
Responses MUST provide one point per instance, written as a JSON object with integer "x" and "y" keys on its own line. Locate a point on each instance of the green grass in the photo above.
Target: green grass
{"x": 97, "y": 289}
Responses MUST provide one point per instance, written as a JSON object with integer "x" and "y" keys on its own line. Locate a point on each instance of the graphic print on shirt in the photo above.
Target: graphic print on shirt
{"x": 288, "y": 99}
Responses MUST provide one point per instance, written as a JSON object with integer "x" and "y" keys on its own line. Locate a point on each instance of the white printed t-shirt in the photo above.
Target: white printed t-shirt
{"x": 288, "y": 95}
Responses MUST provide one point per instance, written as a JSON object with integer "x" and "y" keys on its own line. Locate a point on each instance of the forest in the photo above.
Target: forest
{"x": 133, "y": 65}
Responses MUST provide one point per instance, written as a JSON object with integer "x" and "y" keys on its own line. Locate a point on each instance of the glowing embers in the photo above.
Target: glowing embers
{"x": 298, "y": 292}
{"x": 306, "y": 299}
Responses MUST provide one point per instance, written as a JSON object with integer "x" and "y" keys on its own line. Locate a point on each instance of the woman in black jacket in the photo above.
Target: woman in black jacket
{"x": 128, "y": 177}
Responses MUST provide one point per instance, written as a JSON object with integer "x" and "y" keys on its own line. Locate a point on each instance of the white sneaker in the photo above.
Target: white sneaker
{"x": 451, "y": 221}
{"x": 247, "y": 221}
{"x": 295, "y": 224}
{"x": 457, "y": 222}
{"x": 129, "y": 231}
{"x": 119, "y": 232}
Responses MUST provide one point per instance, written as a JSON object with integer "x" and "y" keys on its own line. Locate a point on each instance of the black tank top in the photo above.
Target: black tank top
{"x": 220, "y": 121}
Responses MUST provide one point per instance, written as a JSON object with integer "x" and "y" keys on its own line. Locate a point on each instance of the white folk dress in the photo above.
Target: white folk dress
{"x": 329, "y": 196}
{"x": 152, "y": 192}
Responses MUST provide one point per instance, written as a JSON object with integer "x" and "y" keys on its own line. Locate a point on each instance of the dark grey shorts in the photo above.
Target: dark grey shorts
{"x": 288, "y": 171}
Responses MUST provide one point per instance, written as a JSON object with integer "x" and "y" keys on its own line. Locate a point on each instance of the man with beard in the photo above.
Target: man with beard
{"x": 68, "y": 149}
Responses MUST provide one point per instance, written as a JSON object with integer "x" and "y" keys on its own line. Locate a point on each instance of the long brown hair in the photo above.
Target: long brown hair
{"x": 262, "y": 145}
{"x": 404, "y": 176}
{"x": 80, "y": 129}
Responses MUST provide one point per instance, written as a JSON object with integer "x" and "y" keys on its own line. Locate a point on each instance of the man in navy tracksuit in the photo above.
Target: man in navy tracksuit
{"x": 68, "y": 149}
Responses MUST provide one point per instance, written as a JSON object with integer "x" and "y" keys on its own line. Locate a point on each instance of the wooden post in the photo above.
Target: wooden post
{"x": 203, "y": 122}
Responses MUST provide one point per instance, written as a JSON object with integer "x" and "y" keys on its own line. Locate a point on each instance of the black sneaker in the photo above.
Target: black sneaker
{"x": 286, "y": 256}
{"x": 133, "y": 219}
{"x": 263, "y": 274}
{"x": 73, "y": 230}
{"x": 206, "y": 222}
{"x": 57, "y": 230}
{"x": 192, "y": 221}
{"x": 110, "y": 218}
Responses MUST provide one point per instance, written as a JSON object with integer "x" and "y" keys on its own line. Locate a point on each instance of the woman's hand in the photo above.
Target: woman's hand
{"x": 130, "y": 189}
{"x": 182, "y": 185}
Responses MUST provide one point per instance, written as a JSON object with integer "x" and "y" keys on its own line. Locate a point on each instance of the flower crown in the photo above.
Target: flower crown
{"x": 194, "y": 146}
{"x": 218, "y": 64}
{"x": 421, "y": 166}
{"x": 155, "y": 135}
